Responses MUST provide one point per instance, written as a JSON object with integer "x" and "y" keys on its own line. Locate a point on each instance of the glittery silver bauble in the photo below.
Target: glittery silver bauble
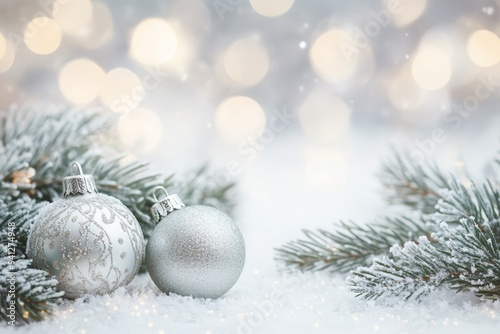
{"x": 90, "y": 242}
{"x": 194, "y": 251}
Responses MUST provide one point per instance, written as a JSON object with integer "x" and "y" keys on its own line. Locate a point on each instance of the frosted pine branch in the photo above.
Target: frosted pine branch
{"x": 22, "y": 211}
{"x": 34, "y": 293}
{"x": 412, "y": 183}
{"x": 464, "y": 257}
{"x": 349, "y": 245}
{"x": 482, "y": 203}
{"x": 468, "y": 259}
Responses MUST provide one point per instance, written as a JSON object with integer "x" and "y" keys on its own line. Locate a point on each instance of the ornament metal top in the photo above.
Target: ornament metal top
{"x": 193, "y": 251}
{"x": 80, "y": 184}
{"x": 168, "y": 204}
{"x": 90, "y": 242}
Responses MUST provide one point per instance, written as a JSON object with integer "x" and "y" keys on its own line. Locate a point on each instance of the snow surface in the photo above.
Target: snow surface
{"x": 304, "y": 303}
{"x": 276, "y": 202}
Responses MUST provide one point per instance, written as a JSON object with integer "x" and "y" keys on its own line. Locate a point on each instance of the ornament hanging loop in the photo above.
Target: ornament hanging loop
{"x": 165, "y": 205}
{"x": 78, "y": 166}
{"x": 79, "y": 184}
{"x": 155, "y": 190}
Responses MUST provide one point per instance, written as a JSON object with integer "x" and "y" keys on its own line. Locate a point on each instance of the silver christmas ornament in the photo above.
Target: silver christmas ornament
{"x": 89, "y": 241}
{"x": 193, "y": 251}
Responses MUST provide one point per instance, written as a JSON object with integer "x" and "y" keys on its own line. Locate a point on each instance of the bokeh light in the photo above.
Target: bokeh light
{"x": 80, "y": 81}
{"x": 3, "y": 45}
{"x": 403, "y": 92}
{"x": 324, "y": 117}
{"x": 326, "y": 168}
{"x": 431, "y": 67}
{"x": 238, "y": 118}
{"x": 42, "y": 35}
{"x": 99, "y": 30}
{"x": 271, "y": 8}
{"x": 246, "y": 61}
{"x": 410, "y": 11}
{"x": 8, "y": 57}
{"x": 73, "y": 16}
{"x": 122, "y": 90}
{"x": 179, "y": 65}
{"x": 154, "y": 42}
{"x": 334, "y": 55}
{"x": 483, "y": 48}
{"x": 140, "y": 130}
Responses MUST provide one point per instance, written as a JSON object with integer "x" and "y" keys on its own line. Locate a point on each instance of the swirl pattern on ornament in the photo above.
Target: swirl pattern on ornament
{"x": 92, "y": 244}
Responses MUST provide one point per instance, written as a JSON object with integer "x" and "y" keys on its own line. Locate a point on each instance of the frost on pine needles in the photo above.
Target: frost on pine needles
{"x": 349, "y": 245}
{"x": 482, "y": 203}
{"x": 407, "y": 258}
{"x": 467, "y": 259}
{"x": 32, "y": 292}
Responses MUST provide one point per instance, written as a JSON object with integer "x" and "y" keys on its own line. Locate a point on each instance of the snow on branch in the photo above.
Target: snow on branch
{"x": 467, "y": 259}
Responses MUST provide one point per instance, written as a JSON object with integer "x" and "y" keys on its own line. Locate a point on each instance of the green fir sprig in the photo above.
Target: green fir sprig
{"x": 349, "y": 245}
{"x": 467, "y": 259}
{"x": 408, "y": 258}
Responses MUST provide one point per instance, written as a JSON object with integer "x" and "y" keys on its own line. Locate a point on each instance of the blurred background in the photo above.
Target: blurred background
{"x": 297, "y": 101}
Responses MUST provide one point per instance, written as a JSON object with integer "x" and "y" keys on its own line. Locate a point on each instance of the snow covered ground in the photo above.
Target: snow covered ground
{"x": 267, "y": 303}
{"x": 279, "y": 195}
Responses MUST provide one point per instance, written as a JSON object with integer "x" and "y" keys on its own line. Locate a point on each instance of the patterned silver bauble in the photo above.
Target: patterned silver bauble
{"x": 90, "y": 242}
{"x": 194, "y": 251}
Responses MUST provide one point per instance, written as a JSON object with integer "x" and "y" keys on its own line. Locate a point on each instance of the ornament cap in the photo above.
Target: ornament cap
{"x": 78, "y": 184}
{"x": 166, "y": 205}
